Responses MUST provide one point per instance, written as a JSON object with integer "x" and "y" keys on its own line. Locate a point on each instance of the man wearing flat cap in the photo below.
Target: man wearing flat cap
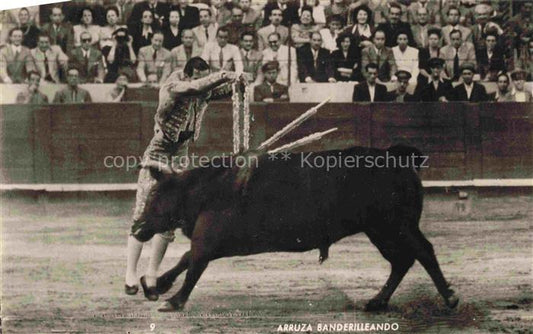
{"x": 400, "y": 94}
{"x": 520, "y": 94}
{"x": 270, "y": 90}
{"x": 436, "y": 88}
{"x": 469, "y": 90}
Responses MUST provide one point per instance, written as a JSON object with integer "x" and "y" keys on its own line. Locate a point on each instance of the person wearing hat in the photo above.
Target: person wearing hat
{"x": 436, "y": 88}
{"x": 503, "y": 93}
{"x": 520, "y": 94}
{"x": 469, "y": 90}
{"x": 270, "y": 90}
{"x": 400, "y": 94}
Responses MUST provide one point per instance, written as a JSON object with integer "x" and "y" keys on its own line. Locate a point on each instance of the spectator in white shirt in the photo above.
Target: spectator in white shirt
{"x": 406, "y": 57}
{"x": 86, "y": 26}
{"x": 280, "y": 53}
{"x": 221, "y": 55}
{"x": 330, "y": 34}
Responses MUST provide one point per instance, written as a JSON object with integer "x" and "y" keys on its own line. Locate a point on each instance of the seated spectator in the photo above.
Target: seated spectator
{"x": 503, "y": 93}
{"x": 483, "y": 25}
{"x": 380, "y": 55}
{"x": 86, "y": 26}
{"x": 172, "y": 32}
{"x": 345, "y": 60}
{"x": 189, "y": 15}
{"x": 469, "y": 90}
{"x": 314, "y": 63}
{"x": 158, "y": 9}
{"x": 425, "y": 54}
{"x": 250, "y": 16}
{"x": 382, "y": 11}
{"x": 490, "y": 58}
{"x": 15, "y": 59}
{"x": 465, "y": 13}
{"x": 337, "y": 7}
{"x": 289, "y": 12}
{"x": 406, "y": 57}
{"x": 125, "y": 8}
{"x": 270, "y": 90}
{"x": 432, "y": 10}
{"x": 50, "y": 61}
{"x": 453, "y": 24}
{"x": 319, "y": 16}
{"x": 120, "y": 57}
{"x": 29, "y": 30}
{"x": 394, "y": 25}
{"x": 520, "y": 94}
{"x": 105, "y": 35}
{"x": 251, "y": 58}
{"x": 421, "y": 29}
{"x": 331, "y": 33}
{"x": 142, "y": 32}
{"x": 72, "y": 93}
{"x": 235, "y": 26}
{"x": 119, "y": 92}
{"x": 280, "y": 53}
{"x": 206, "y": 32}
{"x": 32, "y": 95}
{"x": 180, "y": 55}
{"x": 151, "y": 81}
{"x": 221, "y": 55}
{"x": 370, "y": 90}
{"x": 525, "y": 61}
{"x": 401, "y": 94}
{"x": 88, "y": 61}
{"x": 60, "y": 32}
{"x": 301, "y": 32}
{"x": 457, "y": 54}
{"x": 521, "y": 27}
{"x": 363, "y": 27}
{"x": 274, "y": 27}
{"x": 435, "y": 88}
{"x": 220, "y": 12}
{"x": 74, "y": 9}
{"x": 155, "y": 59}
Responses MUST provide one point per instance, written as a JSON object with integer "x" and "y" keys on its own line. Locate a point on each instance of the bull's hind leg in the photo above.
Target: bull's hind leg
{"x": 165, "y": 281}
{"x": 400, "y": 258}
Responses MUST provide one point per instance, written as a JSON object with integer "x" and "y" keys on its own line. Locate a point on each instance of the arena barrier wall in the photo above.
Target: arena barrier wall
{"x": 466, "y": 143}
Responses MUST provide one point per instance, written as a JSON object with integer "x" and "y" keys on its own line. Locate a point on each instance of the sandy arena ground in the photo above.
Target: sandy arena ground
{"x": 63, "y": 262}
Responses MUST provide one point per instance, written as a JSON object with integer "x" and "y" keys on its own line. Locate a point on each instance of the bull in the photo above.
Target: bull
{"x": 294, "y": 206}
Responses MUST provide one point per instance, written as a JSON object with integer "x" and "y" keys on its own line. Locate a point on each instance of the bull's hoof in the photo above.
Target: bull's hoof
{"x": 452, "y": 301}
{"x": 168, "y": 306}
{"x": 131, "y": 290}
{"x": 163, "y": 285}
{"x": 149, "y": 292}
{"x": 374, "y": 305}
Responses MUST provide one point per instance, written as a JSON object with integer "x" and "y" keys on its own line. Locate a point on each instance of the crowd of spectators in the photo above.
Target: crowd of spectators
{"x": 442, "y": 49}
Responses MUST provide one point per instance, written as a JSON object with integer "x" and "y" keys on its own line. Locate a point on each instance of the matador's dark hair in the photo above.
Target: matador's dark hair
{"x": 195, "y": 63}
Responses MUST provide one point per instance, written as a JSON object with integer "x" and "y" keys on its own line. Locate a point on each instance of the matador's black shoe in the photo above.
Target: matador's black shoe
{"x": 131, "y": 290}
{"x": 149, "y": 292}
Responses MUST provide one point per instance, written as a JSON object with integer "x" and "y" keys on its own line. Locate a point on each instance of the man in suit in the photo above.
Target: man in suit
{"x": 436, "y": 88}
{"x": 380, "y": 55}
{"x": 32, "y": 95}
{"x": 125, "y": 7}
{"x": 370, "y": 90}
{"x": 60, "y": 33}
{"x": 236, "y": 27}
{"x": 453, "y": 24}
{"x": 457, "y": 54}
{"x": 221, "y": 55}
{"x": 50, "y": 61}
{"x": 502, "y": 93}
{"x": 289, "y": 12}
{"x": 220, "y": 10}
{"x": 421, "y": 29}
{"x": 206, "y": 32}
{"x": 154, "y": 58}
{"x": 393, "y": 25}
{"x": 431, "y": 8}
{"x": 287, "y": 64}
{"x": 72, "y": 93}
{"x": 251, "y": 58}
{"x": 490, "y": 58}
{"x": 250, "y": 16}
{"x": 483, "y": 25}
{"x": 158, "y": 9}
{"x": 15, "y": 59}
{"x": 401, "y": 94}
{"x": 274, "y": 26}
{"x": 469, "y": 90}
{"x": 314, "y": 63}
{"x": 270, "y": 90}
{"x": 189, "y": 15}
{"x": 88, "y": 61}
{"x": 180, "y": 55}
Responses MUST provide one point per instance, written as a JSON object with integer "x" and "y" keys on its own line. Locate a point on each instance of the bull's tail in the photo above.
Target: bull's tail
{"x": 409, "y": 153}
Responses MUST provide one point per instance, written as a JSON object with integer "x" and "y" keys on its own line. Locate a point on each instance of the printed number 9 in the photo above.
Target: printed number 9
{"x": 152, "y": 327}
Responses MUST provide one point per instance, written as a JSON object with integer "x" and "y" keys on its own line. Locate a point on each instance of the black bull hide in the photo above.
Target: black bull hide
{"x": 296, "y": 205}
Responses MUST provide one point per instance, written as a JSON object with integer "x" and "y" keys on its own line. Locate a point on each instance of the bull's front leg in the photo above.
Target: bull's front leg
{"x": 165, "y": 281}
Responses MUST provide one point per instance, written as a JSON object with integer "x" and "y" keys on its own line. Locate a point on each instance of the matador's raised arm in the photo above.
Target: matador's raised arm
{"x": 176, "y": 86}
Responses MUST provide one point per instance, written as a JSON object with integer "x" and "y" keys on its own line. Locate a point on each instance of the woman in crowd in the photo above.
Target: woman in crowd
{"x": 143, "y": 31}
{"x": 336, "y": 7}
{"x": 106, "y": 32}
{"x": 346, "y": 59}
{"x": 363, "y": 28}
{"x": 330, "y": 34}
{"x": 317, "y": 9}
{"x": 301, "y": 33}
{"x": 86, "y": 25}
